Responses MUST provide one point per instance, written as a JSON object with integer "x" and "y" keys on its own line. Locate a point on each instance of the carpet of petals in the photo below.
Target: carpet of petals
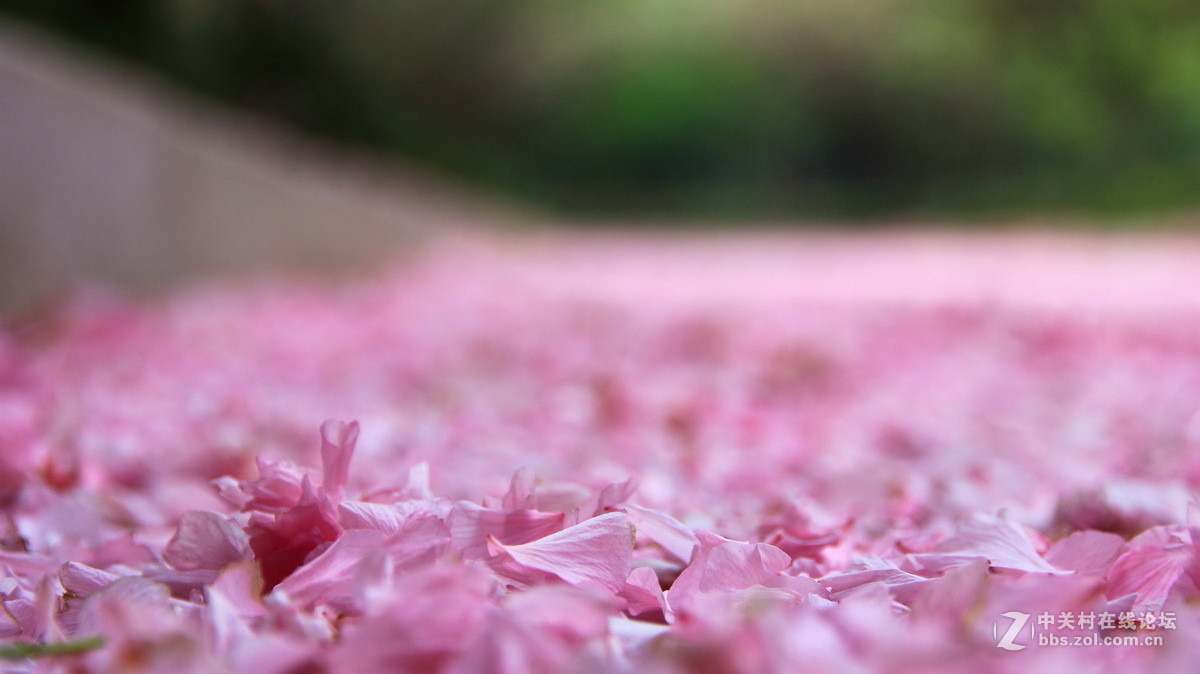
{"x": 605, "y": 458}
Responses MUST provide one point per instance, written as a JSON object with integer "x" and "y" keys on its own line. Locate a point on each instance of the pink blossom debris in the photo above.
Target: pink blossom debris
{"x": 614, "y": 457}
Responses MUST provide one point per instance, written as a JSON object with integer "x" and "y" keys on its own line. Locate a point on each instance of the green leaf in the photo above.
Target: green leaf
{"x": 21, "y": 651}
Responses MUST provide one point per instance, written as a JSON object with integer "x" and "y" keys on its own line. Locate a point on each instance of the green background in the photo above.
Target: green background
{"x": 694, "y": 108}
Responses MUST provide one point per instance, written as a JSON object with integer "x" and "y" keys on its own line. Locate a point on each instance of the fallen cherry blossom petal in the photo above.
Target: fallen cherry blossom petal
{"x": 598, "y": 551}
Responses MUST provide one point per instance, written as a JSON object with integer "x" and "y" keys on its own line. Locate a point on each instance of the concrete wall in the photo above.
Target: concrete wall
{"x": 109, "y": 175}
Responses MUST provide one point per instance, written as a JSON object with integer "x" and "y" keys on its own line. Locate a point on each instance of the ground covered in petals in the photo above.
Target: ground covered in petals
{"x": 606, "y": 455}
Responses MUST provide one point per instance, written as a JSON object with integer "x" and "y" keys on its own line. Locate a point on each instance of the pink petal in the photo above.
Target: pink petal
{"x": 520, "y": 495}
{"x": 1147, "y": 571}
{"x": 427, "y": 620}
{"x": 722, "y": 564}
{"x": 1163, "y": 535}
{"x": 471, "y": 525}
{"x": 279, "y": 486}
{"x": 418, "y": 542}
{"x": 82, "y": 580}
{"x": 418, "y": 485}
{"x": 79, "y": 582}
{"x": 951, "y": 596}
{"x": 541, "y": 630}
{"x": 801, "y": 588}
{"x": 1086, "y": 551}
{"x": 19, "y": 614}
{"x": 284, "y": 542}
{"x": 25, "y": 563}
{"x": 598, "y": 551}
{"x": 276, "y": 654}
{"x": 328, "y": 577}
{"x": 224, "y": 626}
{"x": 643, "y": 593}
{"x": 123, "y": 605}
{"x": 206, "y": 540}
{"x": 337, "y": 448}
{"x": 364, "y": 515}
{"x": 568, "y": 614}
{"x": 242, "y": 586}
{"x": 561, "y": 497}
{"x": 611, "y": 496}
{"x": 902, "y": 584}
{"x": 1000, "y": 540}
{"x": 122, "y": 550}
{"x": 1193, "y": 520}
{"x": 31, "y": 612}
{"x": 181, "y": 583}
{"x": 505, "y": 646}
{"x": 331, "y": 576}
{"x": 665, "y": 530}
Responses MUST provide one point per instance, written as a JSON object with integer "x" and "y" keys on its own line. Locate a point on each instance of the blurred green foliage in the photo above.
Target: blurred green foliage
{"x": 756, "y": 107}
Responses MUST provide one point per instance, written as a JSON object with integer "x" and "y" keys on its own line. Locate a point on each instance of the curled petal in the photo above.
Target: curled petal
{"x": 206, "y": 540}
{"x": 598, "y": 551}
{"x": 722, "y": 564}
{"x": 1147, "y": 571}
{"x": 471, "y": 526}
{"x": 338, "y": 440}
